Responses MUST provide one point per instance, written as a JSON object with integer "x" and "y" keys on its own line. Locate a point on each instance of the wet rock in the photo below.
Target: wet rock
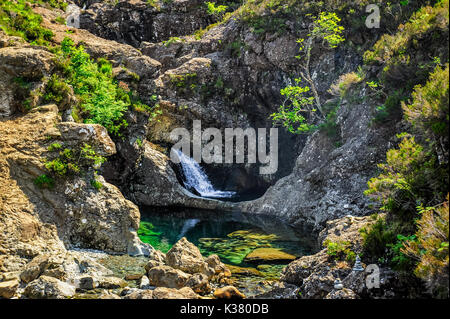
{"x": 87, "y": 283}
{"x": 165, "y": 276}
{"x": 214, "y": 262}
{"x": 133, "y": 276}
{"x": 244, "y": 271}
{"x": 111, "y": 283}
{"x": 108, "y": 295}
{"x": 8, "y": 288}
{"x": 48, "y": 288}
{"x": 140, "y": 294}
{"x": 267, "y": 255}
{"x": 171, "y": 293}
{"x": 199, "y": 283}
{"x": 228, "y": 292}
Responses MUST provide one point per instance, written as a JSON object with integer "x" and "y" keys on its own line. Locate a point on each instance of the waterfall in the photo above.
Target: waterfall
{"x": 197, "y": 179}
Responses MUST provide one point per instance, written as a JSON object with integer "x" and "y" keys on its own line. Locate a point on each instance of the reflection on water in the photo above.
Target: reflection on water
{"x": 232, "y": 236}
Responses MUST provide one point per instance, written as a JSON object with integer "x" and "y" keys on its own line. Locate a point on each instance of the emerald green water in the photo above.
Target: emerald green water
{"x": 232, "y": 236}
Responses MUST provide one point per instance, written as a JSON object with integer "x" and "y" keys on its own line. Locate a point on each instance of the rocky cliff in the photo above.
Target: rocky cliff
{"x": 174, "y": 62}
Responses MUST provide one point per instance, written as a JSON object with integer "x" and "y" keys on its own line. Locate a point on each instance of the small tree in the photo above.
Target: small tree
{"x": 299, "y": 113}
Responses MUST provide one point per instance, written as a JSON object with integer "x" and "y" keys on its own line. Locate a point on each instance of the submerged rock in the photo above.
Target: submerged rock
{"x": 111, "y": 283}
{"x": 264, "y": 255}
{"x": 140, "y": 294}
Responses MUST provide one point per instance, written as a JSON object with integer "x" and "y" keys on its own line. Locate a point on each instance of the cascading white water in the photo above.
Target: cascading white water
{"x": 197, "y": 179}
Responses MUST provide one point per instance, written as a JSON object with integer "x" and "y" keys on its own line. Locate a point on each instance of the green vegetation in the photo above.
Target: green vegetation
{"x": 300, "y": 112}
{"x": 18, "y": 19}
{"x": 44, "y": 181}
{"x": 412, "y": 189}
{"x": 402, "y": 67}
{"x": 73, "y": 161}
{"x": 101, "y": 99}
{"x": 172, "y": 40}
{"x": 215, "y": 10}
{"x": 430, "y": 248}
{"x": 340, "y": 251}
{"x": 95, "y": 183}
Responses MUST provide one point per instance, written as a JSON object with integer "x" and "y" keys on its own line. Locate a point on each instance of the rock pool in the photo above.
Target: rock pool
{"x": 256, "y": 248}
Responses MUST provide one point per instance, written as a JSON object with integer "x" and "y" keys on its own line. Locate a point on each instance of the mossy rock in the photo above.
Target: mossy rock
{"x": 252, "y": 235}
{"x": 268, "y": 255}
{"x": 244, "y": 271}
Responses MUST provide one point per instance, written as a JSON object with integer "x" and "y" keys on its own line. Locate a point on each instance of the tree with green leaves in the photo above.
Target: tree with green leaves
{"x": 299, "y": 112}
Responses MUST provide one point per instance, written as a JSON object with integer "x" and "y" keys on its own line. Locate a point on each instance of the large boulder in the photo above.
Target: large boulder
{"x": 8, "y": 288}
{"x": 187, "y": 257}
{"x": 165, "y": 276}
{"x": 22, "y": 69}
{"x": 48, "y": 288}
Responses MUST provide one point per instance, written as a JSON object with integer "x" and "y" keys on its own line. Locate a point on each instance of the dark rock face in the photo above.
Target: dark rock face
{"x": 236, "y": 76}
{"x": 135, "y": 21}
{"x": 328, "y": 180}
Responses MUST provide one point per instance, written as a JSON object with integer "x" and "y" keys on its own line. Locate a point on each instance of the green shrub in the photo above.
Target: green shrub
{"x": 56, "y": 90}
{"x": 429, "y": 111}
{"x": 430, "y": 248}
{"x": 376, "y": 238}
{"x": 18, "y": 19}
{"x": 54, "y": 147}
{"x": 214, "y": 10}
{"x": 101, "y": 100}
